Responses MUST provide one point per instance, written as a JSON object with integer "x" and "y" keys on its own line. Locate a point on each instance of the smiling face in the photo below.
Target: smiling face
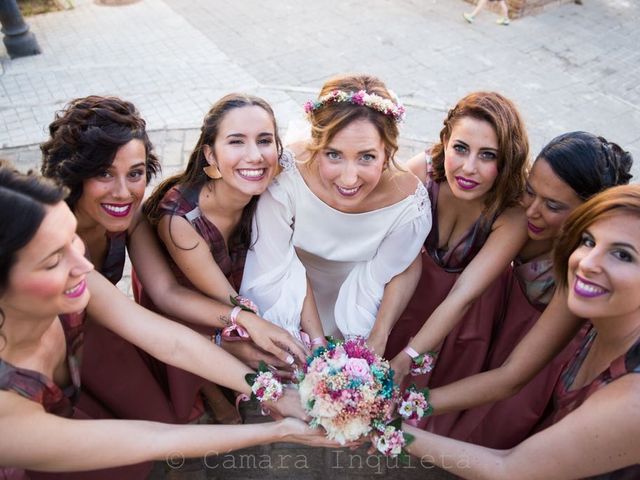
{"x": 48, "y": 277}
{"x": 604, "y": 270}
{"x": 350, "y": 166}
{"x": 471, "y": 158}
{"x": 111, "y": 198}
{"x": 548, "y": 201}
{"x": 245, "y": 150}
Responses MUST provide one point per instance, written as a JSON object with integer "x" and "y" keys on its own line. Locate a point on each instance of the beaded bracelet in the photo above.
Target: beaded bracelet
{"x": 420, "y": 364}
{"x": 216, "y": 337}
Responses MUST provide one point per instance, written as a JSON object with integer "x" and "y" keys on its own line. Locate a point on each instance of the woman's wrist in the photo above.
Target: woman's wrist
{"x": 234, "y": 330}
{"x": 281, "y": 430}
{"x": 402, "y": 363}
{"x": 379, "y": 331}
{"x": 246, "y": 319}
{"x": 421, "y": 363}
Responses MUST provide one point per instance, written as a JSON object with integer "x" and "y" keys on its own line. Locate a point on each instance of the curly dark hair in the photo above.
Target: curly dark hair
{"x": 84, "y": 139}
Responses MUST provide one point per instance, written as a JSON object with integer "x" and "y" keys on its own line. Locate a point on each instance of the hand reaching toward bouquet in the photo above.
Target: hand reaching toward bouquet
{"x": 401, "y": 365}
{"x": 296, "y": 431}
{"x": 288, "y": 405}
{"x": 377, "y": 343}
{"x": 273, "y": 339}
{"x": 250, "y": 354}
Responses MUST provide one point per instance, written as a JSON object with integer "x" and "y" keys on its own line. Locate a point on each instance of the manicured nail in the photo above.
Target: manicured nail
{"x": 290, "y": 360}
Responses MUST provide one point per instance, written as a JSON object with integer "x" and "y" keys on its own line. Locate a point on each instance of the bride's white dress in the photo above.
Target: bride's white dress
{"x": 348, "y": 257}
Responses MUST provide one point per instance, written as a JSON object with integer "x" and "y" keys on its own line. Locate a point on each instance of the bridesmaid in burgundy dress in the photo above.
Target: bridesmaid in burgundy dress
{"x": 475, "y": 181}
{"x": 595, "y": 424}
{"x": 203, "y": 217}
{"x": 45, "y": 285}
{"x": 569, "y": 170}
{"x": 100, "y": 150}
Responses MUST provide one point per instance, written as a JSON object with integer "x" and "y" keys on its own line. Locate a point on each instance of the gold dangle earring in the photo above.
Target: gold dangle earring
{"x": 212, "y": 172}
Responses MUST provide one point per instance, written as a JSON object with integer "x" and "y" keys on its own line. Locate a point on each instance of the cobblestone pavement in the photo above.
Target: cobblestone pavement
{"x": 568, "y": 68}
{"x": 290, "y": 461}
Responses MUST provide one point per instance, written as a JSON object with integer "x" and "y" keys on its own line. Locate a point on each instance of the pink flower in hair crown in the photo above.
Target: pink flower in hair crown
{"x": 358, "y": 97}
{"x": 361, "y": 97}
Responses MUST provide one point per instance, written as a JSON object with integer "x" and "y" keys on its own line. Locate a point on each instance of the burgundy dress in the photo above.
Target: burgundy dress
{"x": 119, "y": 380}
{"x": 464, "y": 351}
{"x": 566, "y": 400}
{"x": 506, "y": 423}
{"x": 183, "y": 387}
{"x": 55, "y": 400}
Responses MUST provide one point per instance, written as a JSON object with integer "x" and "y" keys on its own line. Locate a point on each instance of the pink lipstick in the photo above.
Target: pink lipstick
{"x": 466, "y": 184}
{"x": 587, "y": 289}
{"x": 76, "y": 291}
{"x": 117, "y": 210}
{"x": 534, "y": 229}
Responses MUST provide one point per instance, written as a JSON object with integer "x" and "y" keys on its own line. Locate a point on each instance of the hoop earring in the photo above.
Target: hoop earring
{"x": 212, "y": 172}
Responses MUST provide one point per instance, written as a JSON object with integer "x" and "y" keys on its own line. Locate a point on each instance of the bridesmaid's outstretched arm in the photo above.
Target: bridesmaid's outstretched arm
{"x": 550, "y": 334}
{"x": 600, "y": 436}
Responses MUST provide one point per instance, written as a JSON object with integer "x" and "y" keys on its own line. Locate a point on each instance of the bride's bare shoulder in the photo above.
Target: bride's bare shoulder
{"x": 399, "y": 184}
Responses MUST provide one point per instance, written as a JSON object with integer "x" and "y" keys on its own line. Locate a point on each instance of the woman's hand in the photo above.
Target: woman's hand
{"x": 249, "y": 354}
{"x": 296, "y": 431}
{"x": 273, "y": 339}
{"x": 377, "y": 343}
{"x": 401, "y": 365}
{"x": 289, "y": 405}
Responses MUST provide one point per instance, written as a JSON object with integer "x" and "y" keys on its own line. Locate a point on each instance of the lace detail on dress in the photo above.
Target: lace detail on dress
{"x": 287, "y": 160}
{"x": 421, "y": 197}
{"x": 429, "y": 162}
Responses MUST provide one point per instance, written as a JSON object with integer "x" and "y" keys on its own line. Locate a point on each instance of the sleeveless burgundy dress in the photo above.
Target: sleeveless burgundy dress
{"x": 566, "y": 400}
{"x": 117, "y": 376}
{"x": 465, "y": 350}
{"x": 506, "y": 423}
{"x": 184, "y": 387}
{"x": 60, "y": 401}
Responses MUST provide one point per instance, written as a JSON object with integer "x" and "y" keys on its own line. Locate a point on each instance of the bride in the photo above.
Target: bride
{"x": 338, "y": 227}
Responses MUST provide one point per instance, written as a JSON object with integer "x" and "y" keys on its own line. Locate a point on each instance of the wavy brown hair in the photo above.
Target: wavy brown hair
{"x": 85, "y": 137}
{"x": 332, "y": 117}
{"x": 609, "y": 203}
{"x": 513, "y": 146}
{"x": 194, "y": 176}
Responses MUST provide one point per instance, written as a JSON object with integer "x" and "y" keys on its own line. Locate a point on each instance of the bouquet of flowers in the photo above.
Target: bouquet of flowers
{"x": 349, "y": 391}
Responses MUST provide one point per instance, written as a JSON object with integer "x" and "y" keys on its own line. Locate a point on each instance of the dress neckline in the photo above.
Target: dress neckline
{"x": 192, "y": 195}
{"x": 462, "y": 252}
{"x": 37, "y": 386}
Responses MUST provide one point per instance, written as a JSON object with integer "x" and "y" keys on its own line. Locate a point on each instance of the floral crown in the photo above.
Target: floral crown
{"x": 371, "y": 100}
